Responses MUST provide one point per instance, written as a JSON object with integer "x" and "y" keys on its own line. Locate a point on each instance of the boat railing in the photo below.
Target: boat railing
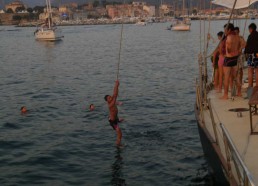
{"x": 234, "y": 159}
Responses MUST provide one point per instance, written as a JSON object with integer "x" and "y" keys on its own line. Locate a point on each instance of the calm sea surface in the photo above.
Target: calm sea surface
{"x": 59, "y": 142}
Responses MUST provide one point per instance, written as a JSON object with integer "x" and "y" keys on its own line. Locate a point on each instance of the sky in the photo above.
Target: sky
{"x": 33, "y": 3}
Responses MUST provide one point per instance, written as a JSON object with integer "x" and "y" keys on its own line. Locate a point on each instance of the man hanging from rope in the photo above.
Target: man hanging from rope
{"x": 113, "y": 113}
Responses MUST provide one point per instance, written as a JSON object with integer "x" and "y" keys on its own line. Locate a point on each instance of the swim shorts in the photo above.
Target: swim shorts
{"x": 230, "y": 61}
{"x": 114, "y": 123}
{"x": 252, "y": 60}
{"x": 216, "y": 61}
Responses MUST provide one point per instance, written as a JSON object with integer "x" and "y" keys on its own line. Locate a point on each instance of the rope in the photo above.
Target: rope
{"x": 230, "y": 17}
{"x": 120, "y": 49}
{"x": 246, "y": 18}
{"x": 120, "y": 46}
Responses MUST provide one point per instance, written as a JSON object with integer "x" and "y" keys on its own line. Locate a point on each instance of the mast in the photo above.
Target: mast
{"x": 50, "y": 10}
{"x": 48, "y": 17}
{"x": 49, "y": 13}
{"x": 183, "y": 8}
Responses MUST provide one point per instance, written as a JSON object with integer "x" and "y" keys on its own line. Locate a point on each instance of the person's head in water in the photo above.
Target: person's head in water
{"x": 23, "y": 109}
{"x": 252, "y": 28}
{"x": 220, "y": 35}
{"x": 108, "y": 98}
{"x": 228, "y": 28}
{"x": 92, "y": 107}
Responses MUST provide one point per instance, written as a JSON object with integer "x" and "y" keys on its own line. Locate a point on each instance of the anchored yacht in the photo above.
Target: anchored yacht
{"x": 228, "y": 128}
{"x": 48, "y": 31}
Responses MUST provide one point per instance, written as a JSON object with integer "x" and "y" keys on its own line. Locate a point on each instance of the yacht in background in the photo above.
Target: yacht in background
{"x": 48, "y": 31}
{"x": 183, "y": 24}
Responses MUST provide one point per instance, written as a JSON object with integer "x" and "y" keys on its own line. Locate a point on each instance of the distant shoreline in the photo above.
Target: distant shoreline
{"x": 106, "y": 22}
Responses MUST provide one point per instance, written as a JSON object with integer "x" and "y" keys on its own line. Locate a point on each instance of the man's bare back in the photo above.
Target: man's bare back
{"x": 233, "y": 45}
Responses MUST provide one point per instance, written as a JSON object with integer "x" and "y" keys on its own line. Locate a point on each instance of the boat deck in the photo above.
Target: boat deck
{"x": 238, "y": 128}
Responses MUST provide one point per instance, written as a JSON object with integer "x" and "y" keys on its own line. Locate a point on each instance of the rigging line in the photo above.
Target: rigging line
{"x": 246, "y": 18}
{"x": 230, "y": 17}
{"x": 200, "y": 18}
{"x": 209, "y": 29}
{"x": 120, "y": 44}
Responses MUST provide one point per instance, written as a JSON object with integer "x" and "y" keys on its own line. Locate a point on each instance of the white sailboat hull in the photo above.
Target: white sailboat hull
{"x": 53, "y": 34}
{"x": 181, "y": 27}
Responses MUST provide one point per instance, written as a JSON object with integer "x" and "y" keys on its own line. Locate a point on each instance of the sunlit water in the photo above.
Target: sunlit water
{"x": 59, "y": 142}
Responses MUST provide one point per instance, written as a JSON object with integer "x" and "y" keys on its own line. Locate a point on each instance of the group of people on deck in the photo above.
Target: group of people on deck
{"x": 228, "y": 58}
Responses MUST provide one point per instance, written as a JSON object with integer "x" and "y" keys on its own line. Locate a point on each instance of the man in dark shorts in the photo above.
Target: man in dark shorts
{"x": 251, "y": 50}
{"x": 232, "y": 51}
{"x": 113, "y": 113}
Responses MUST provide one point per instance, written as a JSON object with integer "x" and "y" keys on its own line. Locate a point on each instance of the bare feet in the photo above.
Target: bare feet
{"x": 224, "y": 97}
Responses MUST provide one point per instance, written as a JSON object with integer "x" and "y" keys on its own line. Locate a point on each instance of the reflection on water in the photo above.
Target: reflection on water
{"x": 117, "y": 169}
{"x": 58, "y": 80}
{"x": 50, "y": 44}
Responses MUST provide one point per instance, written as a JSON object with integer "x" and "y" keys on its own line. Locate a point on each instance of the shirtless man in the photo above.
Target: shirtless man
{"x": 113, "y": 111}
{"x": 232, "y": 48}
{"x": 241, "y": 65}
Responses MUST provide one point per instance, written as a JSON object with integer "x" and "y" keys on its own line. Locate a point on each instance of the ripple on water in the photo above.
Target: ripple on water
{"x": 59, "y": 142}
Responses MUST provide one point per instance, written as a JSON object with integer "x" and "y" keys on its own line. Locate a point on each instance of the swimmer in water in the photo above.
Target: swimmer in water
{"x": 24, "y": 110}
{"x": 113, "y": 113}
{"x": 92, "y": 107}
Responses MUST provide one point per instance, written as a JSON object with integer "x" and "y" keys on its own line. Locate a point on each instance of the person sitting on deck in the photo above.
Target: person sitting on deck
{"x": 232, "y": 47}
{"x": 241, "y": 65}
{"x": 251, "y": 50}
{"x": 218, "y": 77}
{"x": 113, "y": 113}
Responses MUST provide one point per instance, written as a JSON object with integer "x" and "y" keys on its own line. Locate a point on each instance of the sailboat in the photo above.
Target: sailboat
{"x": 228, "y": 128}
{"x": 181, "y": 24}
{"x": 48, "y": 31}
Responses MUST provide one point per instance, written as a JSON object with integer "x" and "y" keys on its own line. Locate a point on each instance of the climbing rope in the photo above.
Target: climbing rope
{"x": 120, "y": 45}
{"x": 120, "y": 49}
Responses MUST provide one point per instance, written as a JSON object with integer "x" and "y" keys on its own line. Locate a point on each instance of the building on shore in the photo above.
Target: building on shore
{"x": 66, "y": 11}
{"x": 136, "y": 9}
{"x": 14, "y": 5}
{"x": 55, "y": 15}
{"x": 166, "y": 10}
{"x": 136, "y": 3}
{"x": 87, "y": 6}
{"x": 150, "y": 10}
